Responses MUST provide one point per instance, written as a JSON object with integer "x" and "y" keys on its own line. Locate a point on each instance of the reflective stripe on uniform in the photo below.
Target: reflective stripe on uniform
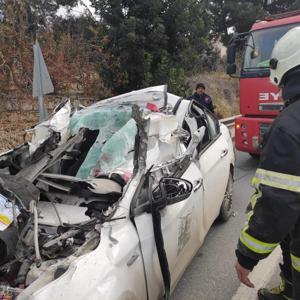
{"x": 253, "y": 201}
{"x": 254, "y": 198}
{"x": 249, "y": 215}
{"x": 277, "y": 180}
{"x": 255, "y": 245}
{"x": 295, "y": 262}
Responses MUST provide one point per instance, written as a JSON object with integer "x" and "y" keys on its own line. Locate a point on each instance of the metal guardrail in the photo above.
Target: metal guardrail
{"x": 229, "y": 122}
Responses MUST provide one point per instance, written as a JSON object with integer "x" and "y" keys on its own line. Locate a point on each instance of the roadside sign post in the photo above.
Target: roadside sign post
{"x": 42, "y": 83}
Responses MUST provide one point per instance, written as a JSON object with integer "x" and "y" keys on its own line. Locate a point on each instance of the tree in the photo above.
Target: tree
{"x": 280, "y": 6}
{"x": 242, "y": 14}
{"x": 187, "y": 26}
{"x": 151, "y": 37}
{"x": 136, "y": 37}
{"x": 238, "y": 14}
{"x": 131, "y": 45}
{"x": 73, "y": 58}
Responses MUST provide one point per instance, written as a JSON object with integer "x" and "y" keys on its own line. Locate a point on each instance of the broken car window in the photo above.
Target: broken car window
{"x": 108, "y": 120}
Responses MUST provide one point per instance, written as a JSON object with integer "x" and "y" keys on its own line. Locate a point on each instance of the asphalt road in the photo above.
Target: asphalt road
{"x": 211, "y": 274}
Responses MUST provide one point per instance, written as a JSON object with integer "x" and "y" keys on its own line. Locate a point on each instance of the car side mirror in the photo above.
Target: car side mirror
{"x": 171, "y": 190}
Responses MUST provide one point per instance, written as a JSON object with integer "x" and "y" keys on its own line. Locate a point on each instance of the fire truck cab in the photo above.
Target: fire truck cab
{"x": 260, "y": 101}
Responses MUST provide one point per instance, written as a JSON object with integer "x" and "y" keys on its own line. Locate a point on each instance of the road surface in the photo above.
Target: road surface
{"x": 211, "y": 274}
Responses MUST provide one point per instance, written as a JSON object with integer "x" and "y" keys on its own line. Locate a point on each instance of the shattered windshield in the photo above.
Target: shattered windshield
{"x": 262, "y": 43}
{"x": 115, "y": 132}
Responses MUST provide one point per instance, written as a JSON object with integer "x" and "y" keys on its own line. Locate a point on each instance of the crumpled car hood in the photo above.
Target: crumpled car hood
{"x": 60, "y": 189}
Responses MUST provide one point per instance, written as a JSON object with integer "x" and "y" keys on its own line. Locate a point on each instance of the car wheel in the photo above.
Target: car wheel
{"x": 226, "y": 207}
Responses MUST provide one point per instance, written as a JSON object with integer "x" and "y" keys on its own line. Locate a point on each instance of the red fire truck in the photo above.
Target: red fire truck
{"x": 260, "y": 101}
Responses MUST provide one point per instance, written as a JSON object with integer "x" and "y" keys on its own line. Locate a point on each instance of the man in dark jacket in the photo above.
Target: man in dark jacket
{"x": 274, "y": 213}
{"x": 202, "y": 98}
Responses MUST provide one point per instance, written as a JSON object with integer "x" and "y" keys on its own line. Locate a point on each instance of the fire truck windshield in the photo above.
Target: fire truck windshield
{"x": 260, "y": 45}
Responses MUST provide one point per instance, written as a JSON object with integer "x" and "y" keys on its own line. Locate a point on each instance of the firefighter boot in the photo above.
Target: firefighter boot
{"x": 282, "y": 292}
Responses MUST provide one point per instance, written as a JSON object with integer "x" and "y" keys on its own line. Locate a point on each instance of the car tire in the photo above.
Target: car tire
{"x": 226, "y": 207}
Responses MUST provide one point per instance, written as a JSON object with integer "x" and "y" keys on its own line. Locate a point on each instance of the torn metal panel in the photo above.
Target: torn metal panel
{"x": 58, "y": 122}
{"x": 141, "y": 140}
{"x": 156, "y": 94}
{"x": 104, "y": 186}
{"x": 182, "y": 110}
{"x": 37, "y": 280}
{"x": 68, "y": 214}
{"x": 96, "y": 185}
{"x": 162, "y": 126}
{"x": 61, "y": 176}
{"x": 197, "y": 137}
{"x": 55, "y": 185}
{"x": 32, "y": 171}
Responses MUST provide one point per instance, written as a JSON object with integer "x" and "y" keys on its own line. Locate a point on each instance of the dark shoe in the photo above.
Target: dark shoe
{"x": 265, "y": 294}
{"x": 282, "y": 292}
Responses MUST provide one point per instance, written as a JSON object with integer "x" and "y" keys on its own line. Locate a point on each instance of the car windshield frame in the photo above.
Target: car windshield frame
{"x": 258, "y": 39}
{"x": 156, "y": 94}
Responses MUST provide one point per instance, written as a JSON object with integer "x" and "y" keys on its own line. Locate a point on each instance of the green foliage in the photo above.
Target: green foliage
{"x": 177, "y": 83}
{"x": 152, "y": 37}
{"x": 238, "y": 14}
{"x": 242, "y": 14}
{"x": 279, "y": 6}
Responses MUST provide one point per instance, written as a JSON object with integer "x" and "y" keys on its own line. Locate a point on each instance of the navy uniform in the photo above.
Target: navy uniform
{"x": 202, "y": 98}
{"x": 274, "y": 214}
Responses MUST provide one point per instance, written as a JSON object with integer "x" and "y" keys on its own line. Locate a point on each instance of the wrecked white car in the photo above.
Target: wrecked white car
{"x": 112, "y": 201}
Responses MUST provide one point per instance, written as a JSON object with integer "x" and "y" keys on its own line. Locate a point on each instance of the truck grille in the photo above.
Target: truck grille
{"x": 270, "y": 106}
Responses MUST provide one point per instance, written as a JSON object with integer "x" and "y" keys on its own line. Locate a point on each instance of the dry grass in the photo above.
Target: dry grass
{"x": 12, "y": 128}
{"x": 223, "y": 90}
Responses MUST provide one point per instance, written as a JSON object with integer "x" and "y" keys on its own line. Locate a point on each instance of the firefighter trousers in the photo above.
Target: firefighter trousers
{"x": 290, "y": 268}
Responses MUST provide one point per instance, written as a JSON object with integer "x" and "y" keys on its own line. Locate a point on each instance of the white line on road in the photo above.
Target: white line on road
{"x": 260, "y": 276}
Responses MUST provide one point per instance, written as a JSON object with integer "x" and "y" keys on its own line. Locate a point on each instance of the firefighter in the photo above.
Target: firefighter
{"x": 202, "y": 98}
{"x": 274, "y": 209}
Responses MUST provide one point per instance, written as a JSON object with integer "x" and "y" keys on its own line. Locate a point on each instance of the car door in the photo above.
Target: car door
{"x": 181, "y": 234}
{"x": 214, "y": 163}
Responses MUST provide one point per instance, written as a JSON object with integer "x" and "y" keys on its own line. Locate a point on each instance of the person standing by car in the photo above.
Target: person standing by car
{"x": 201, "y": 97}
{"x": 274, "y": 217}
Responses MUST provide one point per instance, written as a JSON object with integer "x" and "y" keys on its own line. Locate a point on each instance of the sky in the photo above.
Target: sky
{"x": 76, "y": 11}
